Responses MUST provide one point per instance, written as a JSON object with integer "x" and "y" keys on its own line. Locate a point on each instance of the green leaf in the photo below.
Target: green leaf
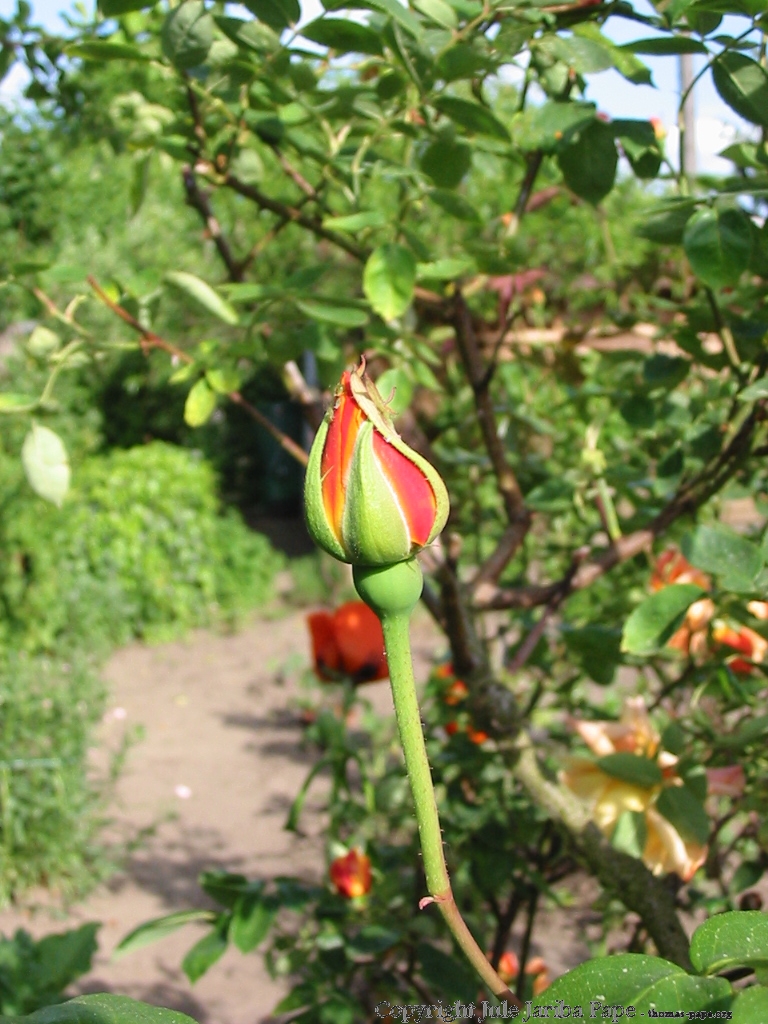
{"x": 632, "y": 979}
{"x": 207, "y": 951}
{"x": 735, "y": 939}
{"x": 103, "y": 1008}
{"x": 329, "y": 312}
{"x": 471, "y": 116}
{"x": 278, "y": 14}
{"x": 101, "y": 50}
{"x": 398, "y": 381}
{"x": 353, "y": 222}
{"x": 438, "y": 11}
{"x": 755, "y": 391}
{"x": 547, "y": 126}
{"x": 666, "y": 223}
{"x": 203, "y": 294}
{"x": 743, "y": 84}
{"x": 444, "y": 270}
{"x": 728, "y": 555}
{"x": 252, "y": 34}
{"x": 748, "y": 732}
{"x": 200, "y": 403}
{"x": 12, "y": 402}
{"x": 226, "y": 888}
{"x": 662, "y": 46}
{"x": 251, "y": 920}
{"x": 389, "y": 279}
{"x": 589, "y": 162}
{"x": 641, "y": 148}
{"x": 598, "y": 648}
{"x": 116, "y": 8}
{"x": 45, "y": 462}
{"x": 399, "y": 13}
{"x": 685, "y": 812}
{"x": 454, "y": 204}
{"x": 446, "y": 162}
{"x": 187, "y": 34}
{"x": 632, "y": 768}
{"x": 152, "y": 931}
{"x": 223, "y": 381}
{"x": 718, "y": 244}
{"x": 343, "y": 36}
{"x": 751, "y": 1005}
{"x": 65, "y": 957}
{"x": 656, "y": 618}
{"x": 630, "y": 834}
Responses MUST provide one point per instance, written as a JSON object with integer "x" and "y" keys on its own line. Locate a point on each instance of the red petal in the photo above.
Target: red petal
{"x": 339, "y": 443}
{"x": 360, "y": 642}
{"x": 414, "y": 492}
{"x": 325, "y": 650}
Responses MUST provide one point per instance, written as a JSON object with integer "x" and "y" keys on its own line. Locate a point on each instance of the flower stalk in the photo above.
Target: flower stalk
{"x": 393, "y": 592}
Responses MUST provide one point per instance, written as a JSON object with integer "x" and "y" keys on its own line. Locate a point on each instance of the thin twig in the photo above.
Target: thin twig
{"x": 294, "y": 214}
{"x": 199, "y": 201}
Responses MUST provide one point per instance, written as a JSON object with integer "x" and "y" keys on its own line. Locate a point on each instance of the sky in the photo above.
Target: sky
{"x": 717, "y": 126}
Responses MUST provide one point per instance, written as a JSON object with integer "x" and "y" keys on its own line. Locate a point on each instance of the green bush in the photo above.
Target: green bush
{"x": 48, "y": 805}
{"x": 140, "y": 549}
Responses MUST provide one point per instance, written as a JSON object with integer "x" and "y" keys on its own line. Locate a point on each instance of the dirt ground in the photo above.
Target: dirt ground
{"x": 219, "y": 764}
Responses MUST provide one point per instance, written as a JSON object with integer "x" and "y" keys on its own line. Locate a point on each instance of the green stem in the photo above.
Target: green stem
{"x": 395, "y": 614}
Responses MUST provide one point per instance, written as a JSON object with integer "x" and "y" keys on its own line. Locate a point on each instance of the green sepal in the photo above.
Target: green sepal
{"x": 390, "y": 590}
{"x": 314, "y": 506}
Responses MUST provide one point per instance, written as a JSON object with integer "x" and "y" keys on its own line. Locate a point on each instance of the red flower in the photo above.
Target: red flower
{"x": 348, "y": 642}
{"x": 351, "y": 875}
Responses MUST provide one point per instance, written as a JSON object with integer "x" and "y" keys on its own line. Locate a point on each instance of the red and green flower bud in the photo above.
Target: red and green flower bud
{"x": 370, "y": 499}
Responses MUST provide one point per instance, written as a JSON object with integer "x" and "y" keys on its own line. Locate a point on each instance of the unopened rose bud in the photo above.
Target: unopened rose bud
{"x": 370, "y": 499}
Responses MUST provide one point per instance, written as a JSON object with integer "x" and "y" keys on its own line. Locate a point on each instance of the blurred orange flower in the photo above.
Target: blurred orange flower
{"x": 348, "y": 642}
{"x": 672, "y": 567}
{"x": 509, "y": 968}
{"x": 476, "y": 735}
{"x": 455, "y": 693}
{"x": 742, "y": 639}
{"x": 607, "y": 797}
{"x": 351, "y": 874}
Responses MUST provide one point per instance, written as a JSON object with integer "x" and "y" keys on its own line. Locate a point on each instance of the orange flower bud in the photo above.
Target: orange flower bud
{"x": 476, "y": 735}
{"x": 351, "y": 875}
{"x": 369, "y": 498}
{"x": 509, "y": 966}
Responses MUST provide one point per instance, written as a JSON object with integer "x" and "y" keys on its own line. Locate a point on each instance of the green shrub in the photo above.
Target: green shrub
{"x": 139, "y": 548}
{"x": 48, "y": 805}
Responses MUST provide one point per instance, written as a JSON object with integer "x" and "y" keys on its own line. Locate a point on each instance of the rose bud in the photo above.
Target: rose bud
{"x": 351, "y": 875}
{"x": 370, "y": 499}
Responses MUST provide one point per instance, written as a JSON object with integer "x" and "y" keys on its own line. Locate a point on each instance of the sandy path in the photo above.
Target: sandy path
{"x": 215, "y": 711}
